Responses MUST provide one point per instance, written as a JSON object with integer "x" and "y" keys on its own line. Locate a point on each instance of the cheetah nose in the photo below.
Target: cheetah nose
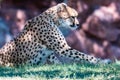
{"x": 77, "y": 25}
{"x": 74, "y": 26}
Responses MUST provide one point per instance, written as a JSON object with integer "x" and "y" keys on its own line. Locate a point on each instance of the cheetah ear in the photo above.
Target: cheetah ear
{"x": 61, "y": 6}
{"x": 64, "y": 4}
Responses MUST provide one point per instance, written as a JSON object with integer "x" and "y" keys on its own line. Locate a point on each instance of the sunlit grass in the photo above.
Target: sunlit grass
{"x": 62, "y": 72}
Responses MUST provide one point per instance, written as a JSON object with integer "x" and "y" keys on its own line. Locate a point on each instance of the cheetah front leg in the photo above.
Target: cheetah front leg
{"x": 57, "y": 43}
{"x": 53, "y": 59}
{"x": 78, "y": 56}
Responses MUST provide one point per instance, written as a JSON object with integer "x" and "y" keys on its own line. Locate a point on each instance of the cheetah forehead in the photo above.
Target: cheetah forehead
{"x": 61, "y": 9}
{"x": 64, "y": 9}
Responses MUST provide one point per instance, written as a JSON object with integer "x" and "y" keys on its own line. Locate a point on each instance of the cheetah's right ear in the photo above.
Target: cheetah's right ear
{"x": 61, "y": 6}
{"x": 64, "y": 4}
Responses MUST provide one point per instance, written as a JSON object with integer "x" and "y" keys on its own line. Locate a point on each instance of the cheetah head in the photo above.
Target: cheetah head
{"x": 67, "y": 16}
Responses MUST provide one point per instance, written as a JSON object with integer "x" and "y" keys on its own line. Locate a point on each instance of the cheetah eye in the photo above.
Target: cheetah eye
{"x": 73, "y": 17}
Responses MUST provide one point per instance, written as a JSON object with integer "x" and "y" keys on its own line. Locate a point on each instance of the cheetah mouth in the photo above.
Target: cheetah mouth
{"x": 66, "y": 30}
{"x": 74, "y": 27}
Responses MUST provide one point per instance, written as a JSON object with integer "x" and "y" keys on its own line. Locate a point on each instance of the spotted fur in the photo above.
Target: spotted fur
{"x": 41, "y": 39}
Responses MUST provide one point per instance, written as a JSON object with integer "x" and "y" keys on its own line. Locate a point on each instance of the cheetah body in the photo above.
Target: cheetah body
{"x": 41, "y": 39}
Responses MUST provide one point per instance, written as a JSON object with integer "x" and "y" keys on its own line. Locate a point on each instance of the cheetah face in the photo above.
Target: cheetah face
{"x": 68, "y": 17}
{"x": 68, "y": 24}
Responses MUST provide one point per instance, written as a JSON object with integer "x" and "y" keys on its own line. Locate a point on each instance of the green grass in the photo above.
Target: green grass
{"x": 62, "y": 72}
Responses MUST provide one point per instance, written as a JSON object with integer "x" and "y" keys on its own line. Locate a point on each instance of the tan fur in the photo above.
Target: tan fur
{"x": 41, "y": 39}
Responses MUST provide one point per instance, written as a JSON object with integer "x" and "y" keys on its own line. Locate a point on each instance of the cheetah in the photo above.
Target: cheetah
{"x": 41, "y": 39}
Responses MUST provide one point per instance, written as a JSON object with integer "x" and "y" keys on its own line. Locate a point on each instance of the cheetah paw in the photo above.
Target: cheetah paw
{"x": 105, "y": 61}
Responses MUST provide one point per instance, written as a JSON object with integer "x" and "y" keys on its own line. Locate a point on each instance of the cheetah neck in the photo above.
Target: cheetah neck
{"x": 52, "y": 14}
